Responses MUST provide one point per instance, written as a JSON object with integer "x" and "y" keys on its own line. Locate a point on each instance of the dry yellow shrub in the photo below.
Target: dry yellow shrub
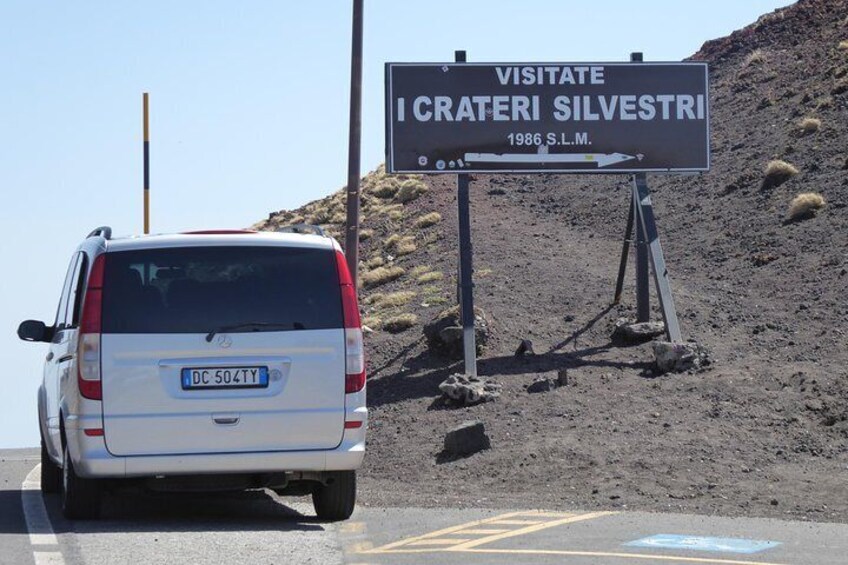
{"x": 402, "y": 322}
{"x": 427, "y": 220}
{"x": 805, "y": 205}
{"x": 430, "y": 277}
{"x": 381, "y": 275}
{"x": 409, "y": 190}
{"x": 394, "y": 299}
{"x": 810, "y": 125}
{"x": 778, "y": 172}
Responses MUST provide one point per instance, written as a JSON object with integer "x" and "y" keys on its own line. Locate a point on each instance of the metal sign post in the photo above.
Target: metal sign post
{"x": 466, "y": 283}
{"x": 643, "y": 297}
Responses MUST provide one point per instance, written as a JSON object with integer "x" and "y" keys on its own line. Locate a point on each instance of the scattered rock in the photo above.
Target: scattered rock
{"x": 680, "y": 357}
{"x": 636, "y": 332}
{"x": 542, "y": 385}
{"x": 761, "y": 259}
{"x": 496, "y": 192}
{"x": 467, "y": 438}
{"x": 525, "y": 348}
{"x": 814, "y": 405}
{"x": 469, "y": 390}
{"x": 444, "y": 333}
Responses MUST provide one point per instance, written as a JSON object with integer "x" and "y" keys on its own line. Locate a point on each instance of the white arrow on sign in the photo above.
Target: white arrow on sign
{"x": 601, "y": 159}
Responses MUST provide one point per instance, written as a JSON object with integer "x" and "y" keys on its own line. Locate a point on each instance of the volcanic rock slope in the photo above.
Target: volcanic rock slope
{"x": 762, "y": 431}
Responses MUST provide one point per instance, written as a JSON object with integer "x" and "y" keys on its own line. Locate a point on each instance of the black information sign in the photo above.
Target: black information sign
{"x": 547, "y": 117}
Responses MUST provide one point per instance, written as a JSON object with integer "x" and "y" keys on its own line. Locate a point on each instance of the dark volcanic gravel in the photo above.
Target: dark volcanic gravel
{"x": 762, "y": 432}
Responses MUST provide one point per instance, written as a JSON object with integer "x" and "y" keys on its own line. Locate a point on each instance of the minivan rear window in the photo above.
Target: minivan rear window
{"x": 201, "y": 289}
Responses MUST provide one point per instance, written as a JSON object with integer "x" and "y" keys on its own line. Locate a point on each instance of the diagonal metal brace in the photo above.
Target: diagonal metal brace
{"x": 648, "y": 226}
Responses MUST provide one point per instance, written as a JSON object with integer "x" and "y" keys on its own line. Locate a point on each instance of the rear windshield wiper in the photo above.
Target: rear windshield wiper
{"x": 255, "y": 326}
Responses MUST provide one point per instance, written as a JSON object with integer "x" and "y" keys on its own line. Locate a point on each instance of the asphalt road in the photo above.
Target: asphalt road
{"x": 260, "y": 528}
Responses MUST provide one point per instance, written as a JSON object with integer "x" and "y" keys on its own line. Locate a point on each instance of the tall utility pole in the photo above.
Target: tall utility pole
{"x": 352, "y": 234}
{"x": 146, "y": 121}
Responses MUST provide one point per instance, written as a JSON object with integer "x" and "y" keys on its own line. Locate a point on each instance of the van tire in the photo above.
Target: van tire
{"x": 51, "y": 473}
{"x": 80, "y": 497}
{"x": 336, "y": 499}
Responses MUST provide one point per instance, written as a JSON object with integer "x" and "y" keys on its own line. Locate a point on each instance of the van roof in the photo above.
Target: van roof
{"x": 228, "y": 239}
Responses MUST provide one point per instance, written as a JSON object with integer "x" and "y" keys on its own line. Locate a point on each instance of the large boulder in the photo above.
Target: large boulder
{"x": 467, "y": 438}
{"x": 444, "y": 333}
{"x": 626, "y": 331}
{"x": 468, "y": 390}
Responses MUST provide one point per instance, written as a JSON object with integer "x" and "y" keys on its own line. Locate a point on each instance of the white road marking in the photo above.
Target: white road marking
{"x": 37, "y": 522}
{"x": 48, "y": 558}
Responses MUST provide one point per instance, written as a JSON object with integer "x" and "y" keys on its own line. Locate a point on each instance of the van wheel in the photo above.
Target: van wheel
{"x": 51, "y": 474}
{"x": 336, "y": 499}
{"x": 80, "y": 497}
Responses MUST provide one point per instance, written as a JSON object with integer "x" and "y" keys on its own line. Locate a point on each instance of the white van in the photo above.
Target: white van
{"x": 204, "y": 361}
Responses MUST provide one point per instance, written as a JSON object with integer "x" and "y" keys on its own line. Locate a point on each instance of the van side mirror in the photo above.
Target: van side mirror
{"x": 34, "y": 330}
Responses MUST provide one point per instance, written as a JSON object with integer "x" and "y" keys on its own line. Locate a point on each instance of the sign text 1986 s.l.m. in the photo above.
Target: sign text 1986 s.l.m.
{"x": 547, "y": 117}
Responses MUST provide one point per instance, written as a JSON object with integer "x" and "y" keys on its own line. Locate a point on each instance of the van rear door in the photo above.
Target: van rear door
{"x": 222, "y": 349}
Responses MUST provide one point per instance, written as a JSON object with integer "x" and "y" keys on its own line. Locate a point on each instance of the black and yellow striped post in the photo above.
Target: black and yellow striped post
{"x": 146, "y": 165}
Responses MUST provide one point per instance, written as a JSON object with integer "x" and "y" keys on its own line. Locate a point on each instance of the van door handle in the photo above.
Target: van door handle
{"x": 226, "y": 419}
{"x": 49, "y": 356}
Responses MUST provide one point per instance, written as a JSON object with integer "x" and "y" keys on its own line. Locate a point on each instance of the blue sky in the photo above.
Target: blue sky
{"x": 249, "y": 106}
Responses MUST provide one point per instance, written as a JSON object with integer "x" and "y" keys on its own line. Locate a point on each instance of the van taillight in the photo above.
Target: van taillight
{"x": 354, "y": 360}
{"x": 88, "y": 353}
{"x": 354, "y": 348}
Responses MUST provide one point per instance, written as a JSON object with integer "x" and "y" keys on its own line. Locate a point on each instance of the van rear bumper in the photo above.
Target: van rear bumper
{"x": 92, "y": 459}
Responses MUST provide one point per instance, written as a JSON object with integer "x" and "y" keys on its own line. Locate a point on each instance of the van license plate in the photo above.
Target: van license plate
{"x": 224, "y": 377}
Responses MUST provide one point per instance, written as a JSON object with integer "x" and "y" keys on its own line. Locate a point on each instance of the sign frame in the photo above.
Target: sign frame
{"x": 603, "y": 160}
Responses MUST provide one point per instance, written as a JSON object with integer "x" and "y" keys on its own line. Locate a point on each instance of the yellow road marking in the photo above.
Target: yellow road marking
{"x": 439, "y": 541}
{"x": 499, "y": 533}
{"x": 529, "y": 530}
{"x": 615, "y": 554}
{"x": 517, "y": 522}
{"x": 444, "y": 544}
{"x": 442, "y": 532}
